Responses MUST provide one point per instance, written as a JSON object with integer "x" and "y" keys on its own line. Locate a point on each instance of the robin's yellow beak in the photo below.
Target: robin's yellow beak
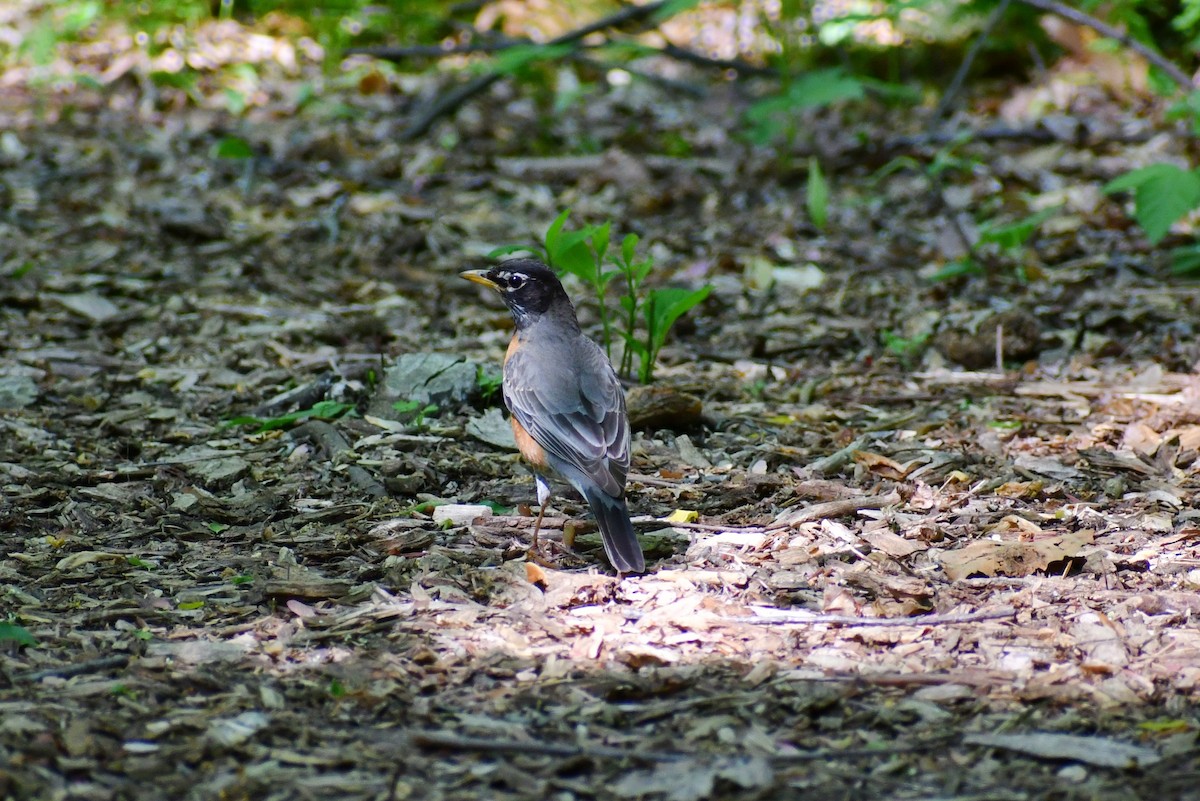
{"x": 480, "y": 277}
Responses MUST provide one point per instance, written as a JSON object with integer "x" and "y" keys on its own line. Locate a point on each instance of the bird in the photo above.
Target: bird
{"x": 566, "y": 404}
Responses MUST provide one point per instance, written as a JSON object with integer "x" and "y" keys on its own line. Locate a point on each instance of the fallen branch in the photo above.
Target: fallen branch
{"x": 775, "y": 617}
{"x": 838, "y": 508}
{"x": 332, "y": 443}
{"x": 99, "y": 665}
{"x": 459, "y": 742}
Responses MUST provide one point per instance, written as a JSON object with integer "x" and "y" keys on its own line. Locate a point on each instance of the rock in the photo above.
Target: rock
{"x": 460, "y": 514}
{"x": 214, "y": 469}
{"x": 17, "y": 391}
{"x": 437, "y": 378}
{"x": 662, "y": 407}
{"x": 492, "y": 428}
{"x": 974, "y": 347}
{"x": 96, "y": 308}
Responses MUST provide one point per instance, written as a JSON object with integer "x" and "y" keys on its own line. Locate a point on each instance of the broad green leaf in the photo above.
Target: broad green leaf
{"x": 11, "y": 632}
{"x": 665, "y": 306}
{"x": 1162, "y": 194}
{"x": 817, "y": 195}
{"x": 555, "y": 229}
{"x": 600, "y": 236}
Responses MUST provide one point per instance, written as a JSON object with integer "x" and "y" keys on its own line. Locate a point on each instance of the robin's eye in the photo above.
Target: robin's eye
{"x": 516, "y": 282}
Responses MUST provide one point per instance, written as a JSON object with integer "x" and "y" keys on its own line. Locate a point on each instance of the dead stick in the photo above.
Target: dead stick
{"x": 330, "y": 440}
{"x": 839, "y": 508}
{"x": 76, "y": 669}
{"x": 960, "y": 77}
{"x": 858, "y": 622}
{"x": 457, "y": 742}
{"x": 1104, "y": 29}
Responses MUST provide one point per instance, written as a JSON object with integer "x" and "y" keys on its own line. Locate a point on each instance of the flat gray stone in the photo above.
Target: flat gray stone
{"x": 492, "y": 428}
{"x": 214, "y": 469}
{"x": 17, "y": 391}
{"x": 437, "y": 378}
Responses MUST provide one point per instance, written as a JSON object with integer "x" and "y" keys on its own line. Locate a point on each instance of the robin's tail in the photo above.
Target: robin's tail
{"x": 621, "y": 545}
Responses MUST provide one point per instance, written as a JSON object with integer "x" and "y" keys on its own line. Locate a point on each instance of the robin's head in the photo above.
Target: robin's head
{"x": 528, "y": 287}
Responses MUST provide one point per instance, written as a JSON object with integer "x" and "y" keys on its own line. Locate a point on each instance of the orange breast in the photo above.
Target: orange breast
{"x": 513, "y": 345}
{"x": 534, "y": 454}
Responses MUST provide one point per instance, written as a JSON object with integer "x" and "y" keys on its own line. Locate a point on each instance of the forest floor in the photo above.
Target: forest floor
{"x": 894, "y": 570}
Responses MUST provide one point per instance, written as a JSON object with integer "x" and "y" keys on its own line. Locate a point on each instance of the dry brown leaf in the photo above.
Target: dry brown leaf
{"x": 880, "y": 465}
{"x": 1013, "y": 558}
{"x": 1020, "y": 489}
{"x": 891, "y": 543}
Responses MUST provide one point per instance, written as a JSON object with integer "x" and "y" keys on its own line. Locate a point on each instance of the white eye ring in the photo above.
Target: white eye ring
{"x": 515, "y": 282}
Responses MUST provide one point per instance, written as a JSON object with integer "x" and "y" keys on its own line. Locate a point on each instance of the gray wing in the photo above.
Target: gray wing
{"x": 575, "y": 411}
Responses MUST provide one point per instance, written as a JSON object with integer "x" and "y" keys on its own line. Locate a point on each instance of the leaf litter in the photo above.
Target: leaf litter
{"x": 224, "y": 614}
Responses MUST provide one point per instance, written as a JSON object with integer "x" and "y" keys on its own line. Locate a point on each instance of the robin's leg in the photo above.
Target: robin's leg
{"x": 544, "y": 491}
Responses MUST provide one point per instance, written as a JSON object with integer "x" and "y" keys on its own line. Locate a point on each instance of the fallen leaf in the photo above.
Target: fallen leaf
{"x": 1013, "y": 558}
{"x": 1089, "y": 750}
{"x": 880, "y": 465}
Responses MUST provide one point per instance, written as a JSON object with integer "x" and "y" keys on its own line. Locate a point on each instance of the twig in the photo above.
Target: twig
{"x": 458, "y": 742}
{"x": 775, "y": 618}
{"x": 76, "y": 668}
{"x": 333, "y": 444}
{"x": 838, "y": 508}
{"x": 1104, "y": 29}
{"x": 959, "y": 77}
{"x": 464, "y": 92}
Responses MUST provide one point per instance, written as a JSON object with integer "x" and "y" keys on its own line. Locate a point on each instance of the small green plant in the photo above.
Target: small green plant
{"x": 817, "y": 195}
{"x": 584, "y": 253}
{"x": 11, "y": 632}
{"x": 776, "y": 117}
{"x": 489, "y": 383}
{"x": 906, "y": 348}
{"x": 417, "y": 409}
{"x": 324, "y": 410}
{"x": 1009, "y": 237}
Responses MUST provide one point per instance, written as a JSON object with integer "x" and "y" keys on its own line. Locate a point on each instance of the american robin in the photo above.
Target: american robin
{"x": 568, "y": 408}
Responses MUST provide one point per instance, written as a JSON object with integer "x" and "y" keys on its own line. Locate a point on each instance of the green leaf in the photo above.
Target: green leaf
{"x": 504, "y": 250}
{"x": 555, "y": 230}
{"x": 957, "y": 269}
{"x": 1186, "y": 260}
{"x": 515, "y": 59}
{"x": 11, "y": 632}
{"x": 188, "y": 606}
{"x": 1162, "y": 194}
{"x": 232, "y": 147}
{"x": 665, "y": 306}
{"x": 325, "y": 410}
{"x": 817, "y": 195}
{"x": 1015, "y": 234}
{"x": 497, "y": 508}
{"x": 217, "y": 528}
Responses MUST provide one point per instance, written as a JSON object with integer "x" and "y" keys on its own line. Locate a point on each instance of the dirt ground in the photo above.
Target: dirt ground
{"x": 892, "y": 570}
